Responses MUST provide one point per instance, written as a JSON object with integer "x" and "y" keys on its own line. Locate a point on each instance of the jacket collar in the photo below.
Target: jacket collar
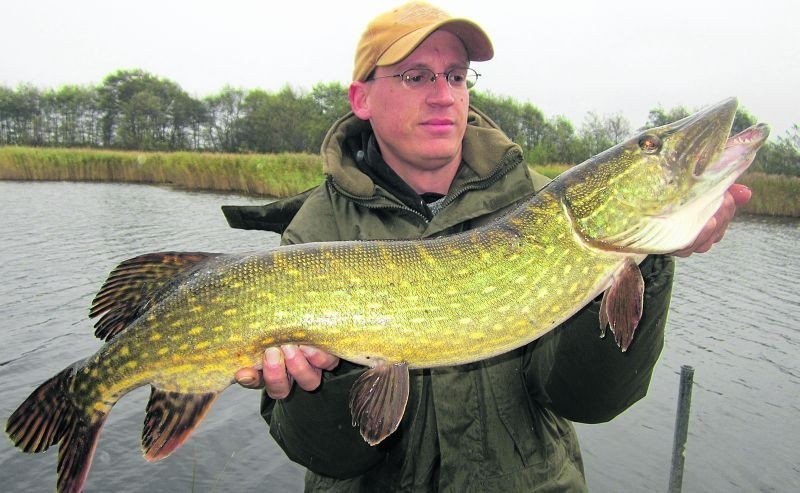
{"x": 486, "y": 149}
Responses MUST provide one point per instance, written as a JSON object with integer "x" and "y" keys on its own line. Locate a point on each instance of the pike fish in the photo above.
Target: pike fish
{"x": 184, "y": 323}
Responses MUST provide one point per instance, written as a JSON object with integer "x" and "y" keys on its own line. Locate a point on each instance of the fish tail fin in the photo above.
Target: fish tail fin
{"x": 49, "y": 416}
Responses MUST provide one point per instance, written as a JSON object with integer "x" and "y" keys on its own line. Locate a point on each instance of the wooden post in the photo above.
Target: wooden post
{"x": 681, "y": 429}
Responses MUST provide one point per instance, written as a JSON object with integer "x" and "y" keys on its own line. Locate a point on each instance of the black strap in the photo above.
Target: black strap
{"x": 274, "y": 216}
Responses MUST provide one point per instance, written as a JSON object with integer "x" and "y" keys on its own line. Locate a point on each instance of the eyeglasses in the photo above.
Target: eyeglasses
{"x": 417, "y": 78}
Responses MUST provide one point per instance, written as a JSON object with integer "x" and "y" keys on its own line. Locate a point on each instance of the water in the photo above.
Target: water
{"x": 734, "y": 318}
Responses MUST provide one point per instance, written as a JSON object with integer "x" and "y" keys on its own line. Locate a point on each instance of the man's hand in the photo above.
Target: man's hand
{"x": 736, "y": 196}
{"x": 283, "y": 366}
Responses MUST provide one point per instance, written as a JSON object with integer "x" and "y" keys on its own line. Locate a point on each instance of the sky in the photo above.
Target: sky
{"x": 566, "y": 57}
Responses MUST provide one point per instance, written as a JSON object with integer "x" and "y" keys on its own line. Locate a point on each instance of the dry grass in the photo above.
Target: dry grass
{"x": 276, "y": 175}
{"x": 773, "y": 195}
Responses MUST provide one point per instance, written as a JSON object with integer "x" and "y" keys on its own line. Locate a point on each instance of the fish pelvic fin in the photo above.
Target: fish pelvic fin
{"x": 49, "y": 416}
{"x": 171, "y": 418}
{"x": 378, "y": 400}
{"x": 134, "y": 284}
{"x": 621, "y": 308}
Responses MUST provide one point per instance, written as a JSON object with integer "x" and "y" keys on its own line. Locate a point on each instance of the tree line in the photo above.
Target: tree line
{"x": 136, "y": 110}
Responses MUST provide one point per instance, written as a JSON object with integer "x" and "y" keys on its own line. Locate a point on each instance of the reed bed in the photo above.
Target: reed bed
{"x": 273, "y": 175}
{"x": 773, "y": 195}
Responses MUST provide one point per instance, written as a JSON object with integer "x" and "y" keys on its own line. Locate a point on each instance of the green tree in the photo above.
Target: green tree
{"x": 599, "y": 133}
{"x": 277, "y": 122}
{"x": 224, "y": 112}
{"x": 659, "y": 116}
{"x": 141, "y": 111}
{"x": 781, "y": 157}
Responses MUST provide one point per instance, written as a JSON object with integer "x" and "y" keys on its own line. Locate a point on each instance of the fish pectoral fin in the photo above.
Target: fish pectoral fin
{"x": 134, "y": 283}
{"x": 621, "y": 308}
{"x": 171, "y": 418}
{"x": 378, "y": 400}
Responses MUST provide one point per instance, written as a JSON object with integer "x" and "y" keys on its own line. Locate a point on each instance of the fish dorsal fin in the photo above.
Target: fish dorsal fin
{"x": 378, "y": 400}
{"x": 621, "y": 308}
{"x": 171, "y": 418}
{"x": 132, "y": 285}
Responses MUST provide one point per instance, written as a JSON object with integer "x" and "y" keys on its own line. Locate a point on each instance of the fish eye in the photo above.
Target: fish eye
{"x": 650, "y": 144}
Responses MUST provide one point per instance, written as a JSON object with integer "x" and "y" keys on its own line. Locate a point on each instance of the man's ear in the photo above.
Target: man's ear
{"x": 358, "y": 99}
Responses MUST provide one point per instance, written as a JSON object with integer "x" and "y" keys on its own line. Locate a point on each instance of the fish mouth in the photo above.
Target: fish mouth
{"x": 739, "y": 151}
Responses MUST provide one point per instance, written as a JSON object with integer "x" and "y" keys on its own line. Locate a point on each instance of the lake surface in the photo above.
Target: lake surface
{"x": 735, "y": 318}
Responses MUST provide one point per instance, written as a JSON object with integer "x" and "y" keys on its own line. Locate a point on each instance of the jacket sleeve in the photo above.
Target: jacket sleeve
{"x": 588, "y": 379}
{"x": 315, "y": 428}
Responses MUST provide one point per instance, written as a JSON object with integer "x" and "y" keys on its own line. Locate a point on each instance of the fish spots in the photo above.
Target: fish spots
{"x": 196, "y": 330}
{"x": 489, "y": 289}
{"x": 132, "y": 364}
{"x": 155, "y": 337}
{"x": 465, "y": 321}
{"x": 230, "y": 312}
{"x": 217, "y": 328}
{"x": 163, "y": 351}
{"x": 521, "y": 280}
{"x": 476, "y": 336}
{"x": 196, "y": 309}
{"x": 202, "y": 345}
{"x": 124, "y": 351}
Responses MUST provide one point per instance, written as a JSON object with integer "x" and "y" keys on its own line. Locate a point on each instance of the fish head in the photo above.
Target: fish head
{"x": 654, "y": 192}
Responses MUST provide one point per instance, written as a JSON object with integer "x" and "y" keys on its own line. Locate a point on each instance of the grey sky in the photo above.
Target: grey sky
{"x": 566, "y": 57}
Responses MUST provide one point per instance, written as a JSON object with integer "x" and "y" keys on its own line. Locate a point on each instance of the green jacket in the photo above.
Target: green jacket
{"x": 500, "y": 424}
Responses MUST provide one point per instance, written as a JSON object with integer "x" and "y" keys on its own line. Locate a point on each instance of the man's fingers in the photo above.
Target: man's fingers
{"x": 249, "y": 378}
{"x": 320, "y": 359}
{"x": 307, "y": 376}
{"x": 283, "y": 366}
{"x": 740, "y": 193}
{"x": 276, "y": 381}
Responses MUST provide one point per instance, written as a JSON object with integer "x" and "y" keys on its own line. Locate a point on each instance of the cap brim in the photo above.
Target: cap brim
{"x": 479, "y": 47}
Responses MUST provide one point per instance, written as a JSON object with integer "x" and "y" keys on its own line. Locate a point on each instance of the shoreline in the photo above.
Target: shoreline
{"x": 272, "y": 175}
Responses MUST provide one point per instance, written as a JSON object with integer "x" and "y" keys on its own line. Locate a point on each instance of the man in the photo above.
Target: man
{"x": 414, "y": 160}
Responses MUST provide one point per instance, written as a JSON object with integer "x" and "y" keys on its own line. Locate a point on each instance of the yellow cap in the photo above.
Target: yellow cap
{"x": 392, "y": 36}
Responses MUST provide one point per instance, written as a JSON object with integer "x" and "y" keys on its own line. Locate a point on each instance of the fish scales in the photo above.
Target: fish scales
{"x": 390, "y": 301}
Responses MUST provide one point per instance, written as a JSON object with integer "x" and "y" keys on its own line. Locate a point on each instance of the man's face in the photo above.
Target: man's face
{"x": 419, "y": 128}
